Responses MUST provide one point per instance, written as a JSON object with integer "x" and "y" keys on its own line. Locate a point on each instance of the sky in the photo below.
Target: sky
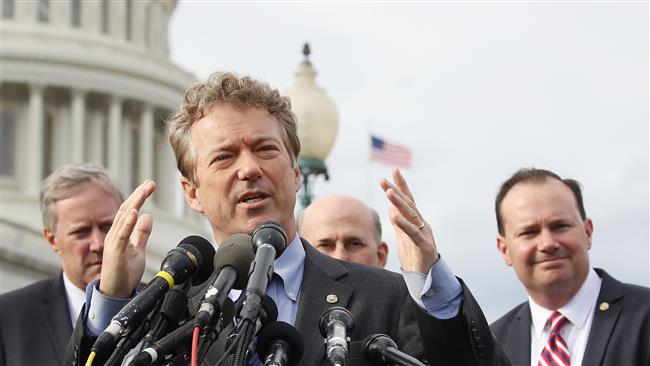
{"x": 476, "y": 90}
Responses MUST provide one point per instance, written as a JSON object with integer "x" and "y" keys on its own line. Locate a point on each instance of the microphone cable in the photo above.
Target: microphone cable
{"x": 211, "y": 334}
{"x": 195, "y": 345}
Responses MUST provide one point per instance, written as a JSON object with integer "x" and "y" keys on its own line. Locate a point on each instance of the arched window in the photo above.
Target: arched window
{"x": 8, "y": 143}
{"x": 128, "y": 19}
{"x": 8, "y": 9}
{"x": 43, "y": 11}
{"x": 75, "y": 13}
{"x": 104, "y": 16}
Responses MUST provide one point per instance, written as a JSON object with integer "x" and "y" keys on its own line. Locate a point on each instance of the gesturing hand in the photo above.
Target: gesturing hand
{"x": 124, "y": 246}
{"x": 415, "y": 244}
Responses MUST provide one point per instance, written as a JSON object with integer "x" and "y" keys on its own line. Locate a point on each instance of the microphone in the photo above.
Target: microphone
{"x": 269, "y": 241}
{"x": 334, "y": 325}
{"x": 177, "y": 339}
{"x": 380, "y": 347}
{"x": 280, "y": 344}
{"x": 179, "y": 265}
{"x": 268, "y": 313}
{"x": 233, "y": 259}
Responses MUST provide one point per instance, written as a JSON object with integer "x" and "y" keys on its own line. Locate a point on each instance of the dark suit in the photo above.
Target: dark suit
{"x": 379, "y": 303}
{"x": 619, "y": 335}
{"x": 35, "y": 324}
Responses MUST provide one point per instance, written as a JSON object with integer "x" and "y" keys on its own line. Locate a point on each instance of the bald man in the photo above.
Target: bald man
{"x": 344, "y": 228}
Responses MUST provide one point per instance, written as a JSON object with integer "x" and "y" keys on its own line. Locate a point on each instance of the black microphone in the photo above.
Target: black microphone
{"x": 280, "y": 344}
{"x": 334, "y": 325}
{"x": 233, "y": 259}
{"x": 179, "y": 338}
{"x": 269, "y": 241}
{"x": 179, "y": 265}
{"x": 380, "y": 347}
{"x": 268, "y": 312}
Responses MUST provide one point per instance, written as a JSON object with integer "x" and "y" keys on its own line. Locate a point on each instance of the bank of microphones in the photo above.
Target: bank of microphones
{"x": 192, "y": 308}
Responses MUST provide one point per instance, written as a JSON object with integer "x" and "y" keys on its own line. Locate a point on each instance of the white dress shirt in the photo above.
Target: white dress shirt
{"x": 580, "y": 313}
{"x": 76, "y": 298}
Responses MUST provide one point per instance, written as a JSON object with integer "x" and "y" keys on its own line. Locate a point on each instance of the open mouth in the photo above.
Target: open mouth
{"x": 253, "y": 198}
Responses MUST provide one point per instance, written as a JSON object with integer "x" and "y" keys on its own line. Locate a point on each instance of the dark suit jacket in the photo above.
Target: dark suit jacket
{"x": 379, "y": 303}
{"x": 619, "y": 335}
{"x": 35, "y": 324}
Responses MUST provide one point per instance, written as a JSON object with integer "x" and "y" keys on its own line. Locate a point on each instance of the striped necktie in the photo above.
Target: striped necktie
{"x": 556, "y": 351}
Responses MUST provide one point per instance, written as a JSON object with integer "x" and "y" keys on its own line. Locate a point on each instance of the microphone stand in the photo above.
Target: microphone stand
{"x": 125, "y": 344}
{"x": 168, "y": 314}
{"x": 213, "y": 330}
{"x": 380, "y": 347}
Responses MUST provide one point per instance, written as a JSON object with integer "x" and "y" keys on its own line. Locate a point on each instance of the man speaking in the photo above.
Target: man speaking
{"x": 236, "y": 147}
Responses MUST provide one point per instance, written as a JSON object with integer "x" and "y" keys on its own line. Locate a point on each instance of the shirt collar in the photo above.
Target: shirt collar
{"x": 76, "y": 298}
{"x": 577, "y": 310}
{"x": 290, "y": 267}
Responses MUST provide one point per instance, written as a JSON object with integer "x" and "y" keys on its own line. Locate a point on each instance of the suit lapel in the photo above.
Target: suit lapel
{"x": 520, "y": 352}
{"x": 56, "y": 316}
{"x": 320, "y": 279}
{"x": 611, "y": 292}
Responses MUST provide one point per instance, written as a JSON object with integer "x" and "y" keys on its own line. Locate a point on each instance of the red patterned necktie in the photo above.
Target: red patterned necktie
{"x": 556, "y": 352}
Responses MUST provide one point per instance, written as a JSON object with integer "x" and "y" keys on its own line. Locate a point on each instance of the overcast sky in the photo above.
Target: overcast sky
{"x": 476, "y": 90}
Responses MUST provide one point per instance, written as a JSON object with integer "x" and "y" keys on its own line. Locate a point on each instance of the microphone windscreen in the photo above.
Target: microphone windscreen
{"x": 270, "y": 308}
{"x": 237, "y": 252}
{"x": 270, "y": 233}
{"x": 206, "y": 250}
{"x": 285, "y": 332}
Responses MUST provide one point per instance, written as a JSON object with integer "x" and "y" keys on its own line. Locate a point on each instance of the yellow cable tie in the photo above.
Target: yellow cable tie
{"x": 167, "y": 277}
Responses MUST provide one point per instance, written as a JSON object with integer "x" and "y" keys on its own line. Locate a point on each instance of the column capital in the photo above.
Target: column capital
{"x": 78, "y": 92}
{"x": 37, "y": 87}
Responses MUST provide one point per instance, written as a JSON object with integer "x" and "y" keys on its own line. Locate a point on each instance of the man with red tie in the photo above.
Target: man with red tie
{"x": 575, "y": 314}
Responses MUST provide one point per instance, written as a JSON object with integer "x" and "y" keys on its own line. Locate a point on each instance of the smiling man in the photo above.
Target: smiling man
{"x": 78, "y": 204}
{"x": 575, "y": 315}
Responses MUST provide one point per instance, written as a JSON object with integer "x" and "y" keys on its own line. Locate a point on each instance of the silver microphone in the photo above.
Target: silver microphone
{"x": 334, "y": 325}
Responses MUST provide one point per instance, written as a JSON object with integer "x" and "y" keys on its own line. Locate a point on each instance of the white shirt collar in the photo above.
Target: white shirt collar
{"x": 76, "y": 298}
{"x": 577, "y": 310}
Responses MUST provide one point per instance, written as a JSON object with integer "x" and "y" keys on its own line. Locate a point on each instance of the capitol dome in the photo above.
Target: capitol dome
{"x": 86, "y": 81}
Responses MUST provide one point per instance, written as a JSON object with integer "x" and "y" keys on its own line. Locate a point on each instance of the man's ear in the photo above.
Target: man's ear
{"x": 503, "y": 249}
{"x": 297, "y": 176}
{"x": 191, "y": 195}
{"x": 589, "y": 230}
{"x": 51, "y": 240}
{"x": 382, "y": 254}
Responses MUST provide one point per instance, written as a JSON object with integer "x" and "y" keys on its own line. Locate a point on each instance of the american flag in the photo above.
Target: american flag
{"x": 389, "y": 153}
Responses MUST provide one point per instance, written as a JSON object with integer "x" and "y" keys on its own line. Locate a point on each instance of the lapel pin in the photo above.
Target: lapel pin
{"x": 603, "y": 306}
{"x": 332, "y": 299}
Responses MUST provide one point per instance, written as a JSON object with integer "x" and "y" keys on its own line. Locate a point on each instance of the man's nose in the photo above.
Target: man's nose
{"x": 548, "y": 242}
{"x": 340, "y": 252}
{"x": 249, "y": 167}
{"x": 97, "y": 240}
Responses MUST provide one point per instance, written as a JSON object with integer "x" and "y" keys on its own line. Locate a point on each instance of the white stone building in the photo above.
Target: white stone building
{"x": 85, "y": 81}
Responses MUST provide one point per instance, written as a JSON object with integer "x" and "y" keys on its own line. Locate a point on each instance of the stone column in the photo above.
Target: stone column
{"x": 114, "y": 134}
{"x": 78, "y": 116}
{"x": 146, "y": 143}
{"x": 36, "y": 119}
